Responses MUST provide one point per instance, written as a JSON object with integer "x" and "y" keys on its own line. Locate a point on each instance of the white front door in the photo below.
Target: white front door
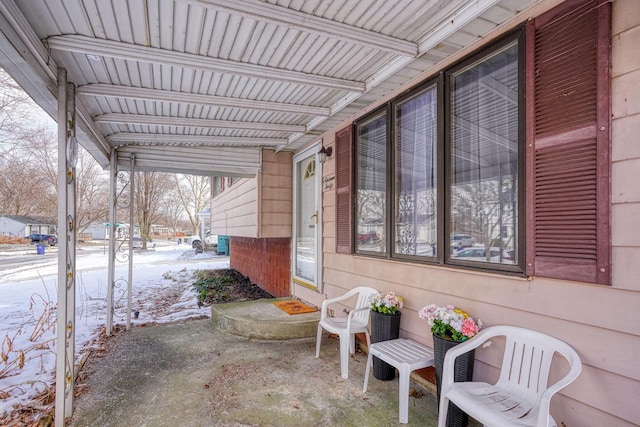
{"x": 307, "y": 223}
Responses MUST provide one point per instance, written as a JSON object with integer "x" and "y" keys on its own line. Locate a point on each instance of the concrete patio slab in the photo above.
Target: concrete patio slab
{"x": 261, "y": 319}
{"x": 193, "y": 374}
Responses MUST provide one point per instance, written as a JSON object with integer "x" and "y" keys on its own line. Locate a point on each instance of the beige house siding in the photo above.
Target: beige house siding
{"x": 260, "y": 206}
{"x": 234, "y": 212}
{"x": 276, "y": 194}
{"x": 625, "y": 192}
{"x": 600, "y": 322}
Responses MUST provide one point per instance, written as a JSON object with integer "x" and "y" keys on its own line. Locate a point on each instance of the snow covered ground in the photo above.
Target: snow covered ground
{"x": 161, "y": 292}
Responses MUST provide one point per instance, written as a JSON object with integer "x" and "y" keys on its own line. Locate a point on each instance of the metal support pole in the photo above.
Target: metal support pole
{"x": 132, "y": 199}
{"x": 113, "y": 176}
{"x": 67, "y": 157}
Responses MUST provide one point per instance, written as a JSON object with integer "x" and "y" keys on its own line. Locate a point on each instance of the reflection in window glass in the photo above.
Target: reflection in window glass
{"x": 416, "y": 175}
{"x": 484, "y": 160}
{"x": 371, "y": 188}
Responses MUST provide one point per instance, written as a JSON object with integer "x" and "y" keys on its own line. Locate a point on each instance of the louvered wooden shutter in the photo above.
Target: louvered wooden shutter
{"x": 568, "y": 142}
{"x": 344, "y": 180}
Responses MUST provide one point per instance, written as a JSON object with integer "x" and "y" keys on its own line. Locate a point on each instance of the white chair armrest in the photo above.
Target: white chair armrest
{"x": 325, "y": 304}
{"x": 545, "y": 397}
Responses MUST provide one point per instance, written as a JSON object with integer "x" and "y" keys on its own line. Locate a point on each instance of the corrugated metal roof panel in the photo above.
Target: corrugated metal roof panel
{"x": 311, "y": 54}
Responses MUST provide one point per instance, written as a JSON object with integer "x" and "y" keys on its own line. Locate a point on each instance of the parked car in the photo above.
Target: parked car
{"x": 369, "y": 237}
{"x": 462, "y": 241}
{"x": 49, "y": 239}
{"x": 211, "y": 241}
{"x": 509, "y": 254}
{"x": 477, "y": 254}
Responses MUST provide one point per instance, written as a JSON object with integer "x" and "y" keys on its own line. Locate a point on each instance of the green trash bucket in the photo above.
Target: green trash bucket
{"x": 223, "y": 245}
{"x": 40, "y": 249}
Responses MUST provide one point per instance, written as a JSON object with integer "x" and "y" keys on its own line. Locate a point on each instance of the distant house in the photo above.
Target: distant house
{"x": 22, "y": 226}
{"x": 100, "y": 231}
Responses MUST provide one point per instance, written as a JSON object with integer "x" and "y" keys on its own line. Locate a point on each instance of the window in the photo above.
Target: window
{"x": 454, "y": 171}
{"x": 439, "y": 173}
{"x": 371, "y": 185}
{"x": 484, "y": 139}
{"x": 415, "y": 179}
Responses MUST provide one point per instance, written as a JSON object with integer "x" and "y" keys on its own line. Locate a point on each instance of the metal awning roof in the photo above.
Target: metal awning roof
{"x": 200, "y": 86}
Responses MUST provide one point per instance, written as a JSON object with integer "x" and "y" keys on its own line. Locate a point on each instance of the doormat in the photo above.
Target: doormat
{"x": 294, "y": 307}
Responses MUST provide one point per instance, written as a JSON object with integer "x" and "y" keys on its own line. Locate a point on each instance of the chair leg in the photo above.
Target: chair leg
{"x": 352, "y": 343}
{"x": 367, "y": 370}
{"x": 442, "y": 411}
{"x": 318, "y": 341}
{"x": 344, "y": 355}
{"x": 403, "y": 399}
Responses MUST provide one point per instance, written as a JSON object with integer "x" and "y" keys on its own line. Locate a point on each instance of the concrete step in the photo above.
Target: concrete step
{"x": 261, "y": 319}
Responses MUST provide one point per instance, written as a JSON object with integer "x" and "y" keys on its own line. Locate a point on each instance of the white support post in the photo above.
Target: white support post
{"x": 113, "y": 183}
{"x": 67, "y": 156}
{"x": 132, "y": 200}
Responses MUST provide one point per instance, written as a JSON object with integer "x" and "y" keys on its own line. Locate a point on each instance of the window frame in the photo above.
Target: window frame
{"x": 442, "y": 84}
{"x": 517, "y": 36}
{"x": 437, "y": 83}
{"x": 379, "y": 112}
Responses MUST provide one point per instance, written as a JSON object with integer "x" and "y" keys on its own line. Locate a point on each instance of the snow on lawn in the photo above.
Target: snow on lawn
{"x": 161, "y": 292}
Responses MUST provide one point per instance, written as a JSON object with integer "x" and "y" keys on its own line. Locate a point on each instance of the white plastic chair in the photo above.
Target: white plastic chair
{"x": 521, "y": 396}
{"x": 346, "y": 327}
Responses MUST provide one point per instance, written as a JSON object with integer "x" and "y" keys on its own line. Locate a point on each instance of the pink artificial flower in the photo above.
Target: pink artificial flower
{"x": 469, "y": 327}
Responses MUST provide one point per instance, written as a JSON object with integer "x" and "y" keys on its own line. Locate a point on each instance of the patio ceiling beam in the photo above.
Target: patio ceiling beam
{"x": 225, "y": 161}
{"x": 159, "y": 95}
{"x": 153, "y": 55}
{"x": 141, "y": 119}
{"x": 192, "y": 168}
{"x": 126, "y": 138}
{"x": 217, "y": 156}
{"x": 447, "y": 28}
{"x": 265, "y": 12}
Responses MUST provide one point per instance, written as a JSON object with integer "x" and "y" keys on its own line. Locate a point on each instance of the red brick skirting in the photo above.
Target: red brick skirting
{"x": 267, "y": 262}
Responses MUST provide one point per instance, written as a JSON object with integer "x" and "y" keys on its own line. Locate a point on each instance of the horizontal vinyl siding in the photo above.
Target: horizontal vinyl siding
{"x": 234, "y": 211}
{"x": 276, "y": 194}
{"x": 625, "y": 150}
{"x": 260, "y": 206}
{"x": 600, "y": 322}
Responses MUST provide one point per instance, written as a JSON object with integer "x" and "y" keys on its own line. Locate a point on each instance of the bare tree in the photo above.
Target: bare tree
{"x": 173, "y": 210}
{"x": 17, "y": 115}
{"x": 23, "y": 189}
{"x": 92, "y": 190}
{"x": 28, "y": 163}
{"x": 27, "y": 185}
{"x": 195, "y": 196}
{"x": 150, "y": 188}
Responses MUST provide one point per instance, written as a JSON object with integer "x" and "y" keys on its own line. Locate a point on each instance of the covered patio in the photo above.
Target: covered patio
{"x": 191, "y": 374}
{"x": 218, "y": 88}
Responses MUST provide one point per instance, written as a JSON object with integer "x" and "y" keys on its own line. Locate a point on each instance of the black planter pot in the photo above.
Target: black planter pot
{"x": 462, "y": 371}
{"x": 384, "y": 327}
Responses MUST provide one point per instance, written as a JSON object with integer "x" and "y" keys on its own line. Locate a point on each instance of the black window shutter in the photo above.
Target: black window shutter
{"x": 344, "y": 180}
{"x": 568, "y": 142}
